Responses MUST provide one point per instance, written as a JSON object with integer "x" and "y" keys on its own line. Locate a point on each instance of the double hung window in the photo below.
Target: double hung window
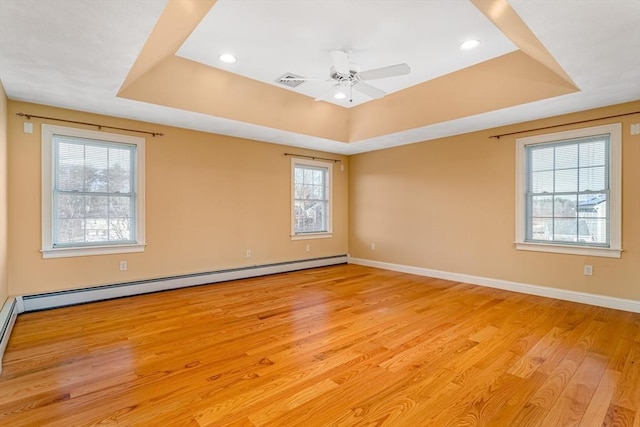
{"x": 93, "y": 197}
{"x": 569, "y": 192}
{"x": 311, "y": 198}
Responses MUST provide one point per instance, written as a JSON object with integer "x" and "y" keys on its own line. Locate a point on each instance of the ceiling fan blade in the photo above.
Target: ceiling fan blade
{"x": 340, "y": 62}
{"x": 390, "y": 71}
{"x": 328, "y": 94}
{"x": 369, "y": 90}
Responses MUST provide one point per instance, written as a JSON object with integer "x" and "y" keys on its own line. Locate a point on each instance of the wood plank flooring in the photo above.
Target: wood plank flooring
{"x": 335, "y": 346}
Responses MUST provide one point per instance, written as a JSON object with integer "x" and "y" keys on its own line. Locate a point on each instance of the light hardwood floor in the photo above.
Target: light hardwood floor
{"x": 343, "y": 345}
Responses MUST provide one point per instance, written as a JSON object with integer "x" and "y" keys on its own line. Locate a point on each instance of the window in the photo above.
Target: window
{"x": 569, "y": 195}
{"x": 92, "y": 192}
{"x": 311, "y": 199}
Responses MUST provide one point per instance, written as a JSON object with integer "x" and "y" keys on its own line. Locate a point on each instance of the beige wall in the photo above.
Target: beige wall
{"x": 4, "y": 286}
{"x": 209, "y": 198}
{"x": 449, "y": 204}
{"x": 446, "y": 204}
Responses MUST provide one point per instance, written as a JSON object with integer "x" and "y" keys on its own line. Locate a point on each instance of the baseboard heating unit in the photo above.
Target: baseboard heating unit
{"x": 25, "y": 303}
{"x": 8, "y": 315}
{"x": 98, "y": 293}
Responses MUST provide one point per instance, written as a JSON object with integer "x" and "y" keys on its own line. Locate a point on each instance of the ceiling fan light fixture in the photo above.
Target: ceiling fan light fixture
{"x": 228, "y": 58}
{"x": 469, "y": 44}
{"x": 346, "y": 77}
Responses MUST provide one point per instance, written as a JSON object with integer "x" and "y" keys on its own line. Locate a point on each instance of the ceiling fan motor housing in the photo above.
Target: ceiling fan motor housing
{"x": 352, "y": 77}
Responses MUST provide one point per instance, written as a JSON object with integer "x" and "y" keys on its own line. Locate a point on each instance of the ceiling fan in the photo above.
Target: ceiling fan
{"x": 347, "y": 77}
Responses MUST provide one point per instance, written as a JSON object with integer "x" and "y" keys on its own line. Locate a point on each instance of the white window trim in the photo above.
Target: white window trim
{"x": 615, "y": 195}
{"x": 322, "y": 235}
{"x": 48, "y": 251}
{"x": 306, "y": 236}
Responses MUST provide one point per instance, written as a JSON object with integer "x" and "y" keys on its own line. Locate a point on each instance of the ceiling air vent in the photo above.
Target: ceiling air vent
{"x": 289, "y": 79}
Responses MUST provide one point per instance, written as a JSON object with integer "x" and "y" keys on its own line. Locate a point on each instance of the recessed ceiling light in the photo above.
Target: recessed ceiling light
{"x": 469, "y": 44}
{"x": 339, "y": 95}
{"x": 227, "y": 58}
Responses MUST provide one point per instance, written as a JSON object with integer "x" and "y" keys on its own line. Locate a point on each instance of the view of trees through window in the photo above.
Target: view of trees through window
{"x": 93, "y": 192}
{"x": 568, "y": 185}
{"x": 310, "y": 199}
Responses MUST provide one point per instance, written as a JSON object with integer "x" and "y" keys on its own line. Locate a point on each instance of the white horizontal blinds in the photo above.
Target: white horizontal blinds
{"x": 93, "y": 192}
{"x": 568, "y": 192}
{"x": 311, "y": 199}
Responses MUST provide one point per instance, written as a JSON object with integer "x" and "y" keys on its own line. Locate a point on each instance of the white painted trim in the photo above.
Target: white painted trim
{"x": 570, "y": 249}
{"x": 77, "y": 251}
{"x": 8, "y": 316}
{"x": 81, "y": 296}
{"x": 91, "y": 250}
{"x": 561, "y": 294}
{"x": 308, "y": 236}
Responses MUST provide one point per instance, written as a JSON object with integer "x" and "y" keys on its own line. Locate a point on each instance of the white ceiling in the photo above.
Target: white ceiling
{"x": 423, "y": 34}
{"x": 76, "y": 54}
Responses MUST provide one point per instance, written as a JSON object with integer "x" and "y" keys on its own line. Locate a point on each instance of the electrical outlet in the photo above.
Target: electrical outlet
{"x": 635, "y": 129}
{"x": 123, "y": 265}
{"x": 308, "y": 248}
{"x": 27, "y": 127}
{"x": 373, "y": 246}
{"x": 248, "y": 253}
{"x": 588, "y": 270}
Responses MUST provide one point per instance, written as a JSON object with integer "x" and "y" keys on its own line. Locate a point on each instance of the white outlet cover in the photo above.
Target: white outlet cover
{"x": 28, "y": 127}
{"x": 635, "y": 129}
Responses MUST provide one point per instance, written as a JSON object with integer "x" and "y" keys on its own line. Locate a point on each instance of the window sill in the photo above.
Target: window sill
{"x": 569, "y": 249}
{"x": 92, "y": 250}
{"x": 311, "y": 236}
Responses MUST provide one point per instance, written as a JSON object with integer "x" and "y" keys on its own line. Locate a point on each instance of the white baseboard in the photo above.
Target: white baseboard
{"x": 561, "y": 294}
{"x": 98, "y": 293}
{"x": 8, "y": 315}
